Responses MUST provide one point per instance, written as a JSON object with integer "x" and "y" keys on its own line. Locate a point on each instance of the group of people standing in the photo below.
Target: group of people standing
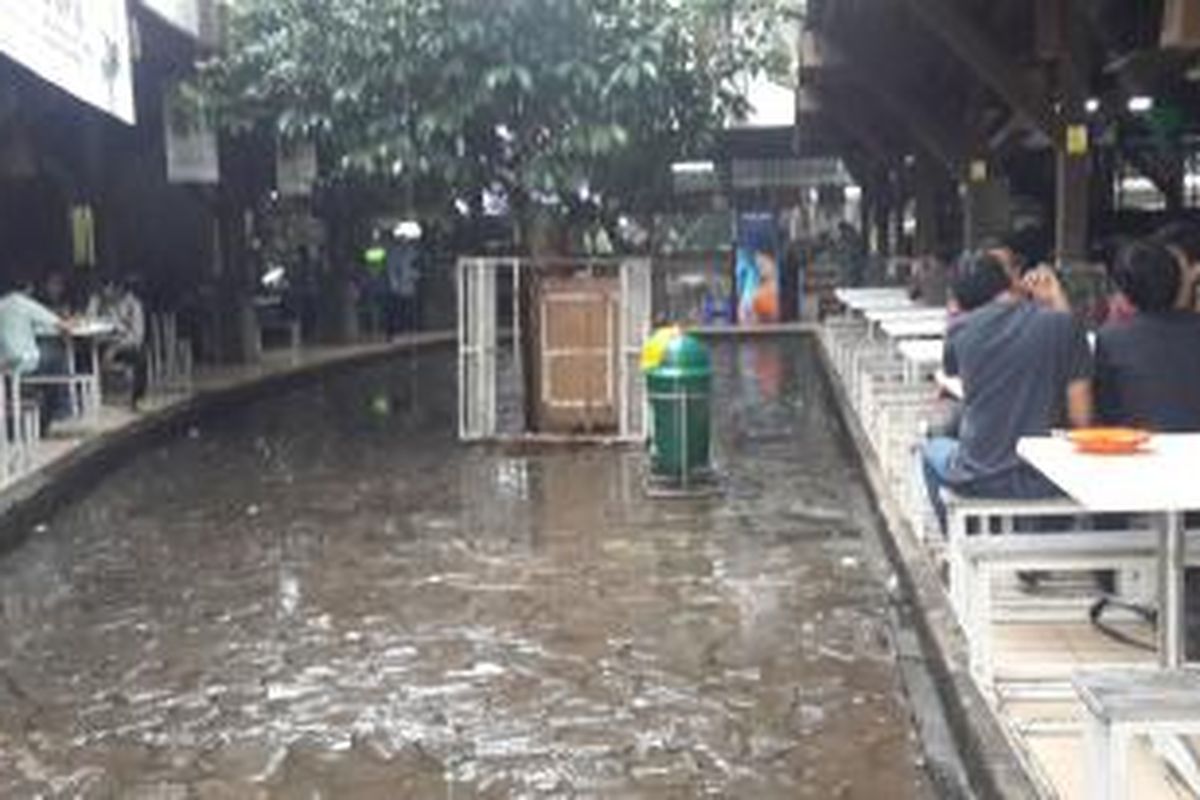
{"x": 34, "y": 324}
{"x": 392, "y": 281}
{"x": 1027, "y": 365}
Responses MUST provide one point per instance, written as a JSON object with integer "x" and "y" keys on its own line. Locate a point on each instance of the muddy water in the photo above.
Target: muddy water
{"x": 325, "y": 596}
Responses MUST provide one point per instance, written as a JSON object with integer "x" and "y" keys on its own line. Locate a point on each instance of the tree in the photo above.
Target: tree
{"x": 551, "y": 102}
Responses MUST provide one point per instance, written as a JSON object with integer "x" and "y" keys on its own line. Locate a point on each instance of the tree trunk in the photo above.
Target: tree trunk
{"x": 337, "y": 310}
{"x": 337, "y": 307}
{"x": 235, "y": 322}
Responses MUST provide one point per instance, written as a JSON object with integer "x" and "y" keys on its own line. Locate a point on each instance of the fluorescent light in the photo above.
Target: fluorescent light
{"x": 693, "y": 167}
{"x": 1092, "y": 105}
{"x": 1140, "y": 104}
{"x": 853, "y": 193}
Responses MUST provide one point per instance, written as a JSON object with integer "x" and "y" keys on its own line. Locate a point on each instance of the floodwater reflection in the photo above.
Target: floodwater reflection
{"x": 325, "y": 595}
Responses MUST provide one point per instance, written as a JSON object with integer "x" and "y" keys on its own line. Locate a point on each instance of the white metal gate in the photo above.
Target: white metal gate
{"x": 479, "y": 380}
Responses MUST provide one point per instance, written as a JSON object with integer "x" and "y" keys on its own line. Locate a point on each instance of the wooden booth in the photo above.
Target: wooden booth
{"x": 549, "y": 349}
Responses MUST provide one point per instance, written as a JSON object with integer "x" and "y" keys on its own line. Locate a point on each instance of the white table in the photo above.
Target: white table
{"x": 895, "y": 313}
{"x": 1161, "y": 481}
{"x": 914, "y": 328}
{"x": 920, "y": 356}
{"x": 92, "y": 332}
{"x": 848, "y": 297}
{"x": 866, "y": 305}
{"x": 93, "y": 329}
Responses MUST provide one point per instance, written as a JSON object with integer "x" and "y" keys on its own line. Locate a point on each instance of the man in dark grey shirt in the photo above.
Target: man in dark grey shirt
{"x": 1026, "y": 368}
{"x": 1148, "y": 367}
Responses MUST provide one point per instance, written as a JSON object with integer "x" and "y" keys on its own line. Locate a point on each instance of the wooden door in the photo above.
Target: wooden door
{"x": 578, "y": 327}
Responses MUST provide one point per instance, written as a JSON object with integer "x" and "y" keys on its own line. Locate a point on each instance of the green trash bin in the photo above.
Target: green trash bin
{"x": 679, "y": 391}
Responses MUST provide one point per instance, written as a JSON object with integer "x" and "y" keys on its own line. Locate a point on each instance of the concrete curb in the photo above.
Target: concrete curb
{"x": 993, "y": 767}
{"x": 34, "y": 497}
{"x": 771, "y": 329}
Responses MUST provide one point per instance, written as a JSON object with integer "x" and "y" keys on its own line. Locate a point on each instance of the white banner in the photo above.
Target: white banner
{"x": 81, "y": 46}
{"x": 295, "y": 169}
{"x": 191, "y": 137}
{"x": 183, "y": 14}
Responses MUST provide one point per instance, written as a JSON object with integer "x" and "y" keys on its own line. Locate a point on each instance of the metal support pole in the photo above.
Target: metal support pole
{"x": 464, "y": 387}
{"x": 517, "y": 344}
{"x": 1171, "y": 623}
{"x": 1072, "y": 206}
{"x": 683, "y": 439}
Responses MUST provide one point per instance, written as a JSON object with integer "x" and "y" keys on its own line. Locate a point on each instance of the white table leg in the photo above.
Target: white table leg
{"x": 94, "y": 399}
{"x": 1171, "y": 632}
{"x": 6, "y": 441}
{"x": 1107, "y": 760}
{"x": 77, "y": 407}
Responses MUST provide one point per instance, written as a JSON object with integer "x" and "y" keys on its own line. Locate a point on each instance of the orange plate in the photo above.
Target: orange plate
{"x": 1108, "y": 440}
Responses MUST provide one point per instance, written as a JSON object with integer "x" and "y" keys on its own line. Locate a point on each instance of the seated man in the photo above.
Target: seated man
{"x": 1148, "y": 362}
{"x": 22, "y": 321}
{"x": 1025, "y": 367}
{"x": 1148, "y": 367}
{"x": 116, "y": 303}
{"x": 1183, "y": 240}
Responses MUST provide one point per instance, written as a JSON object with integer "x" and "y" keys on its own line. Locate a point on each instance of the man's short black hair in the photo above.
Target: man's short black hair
{"x": 981, "y": 280}
{"x": 1183, "y": 235}
{"x": 1149, "y": 275}
{"x": 1030, "y": 245}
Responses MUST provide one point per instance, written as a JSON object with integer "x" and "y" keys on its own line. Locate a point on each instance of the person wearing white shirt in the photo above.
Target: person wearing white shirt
{"x": 118, "y": 305}
{"x": 22, "y": 321}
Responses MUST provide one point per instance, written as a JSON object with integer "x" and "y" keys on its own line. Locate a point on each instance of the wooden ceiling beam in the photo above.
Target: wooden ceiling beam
{"x": 926, "y": 131}
{"x": 948, "y": 20}
{"x": 871, "y": 76}
{"x": 854, "y": 126}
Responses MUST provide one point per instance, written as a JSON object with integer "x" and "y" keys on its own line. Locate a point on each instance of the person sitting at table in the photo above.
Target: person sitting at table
{"x": 55, "y": 294}
{"x": 116, "y": 303}
{"x": 1026, "y": 368}
{"x": 22, "y": 321}
{"x": 957, "y": 308}
{"x": 1148, "y": 366}
{"x": 1019, "y": 251}
{"x": 1183, "y": 240}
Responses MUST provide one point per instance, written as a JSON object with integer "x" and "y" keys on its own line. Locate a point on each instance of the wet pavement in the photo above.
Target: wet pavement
{"x": 326, "y": 596}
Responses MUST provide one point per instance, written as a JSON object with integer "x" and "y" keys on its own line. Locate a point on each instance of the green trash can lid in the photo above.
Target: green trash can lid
{"x": 686, "y": 354}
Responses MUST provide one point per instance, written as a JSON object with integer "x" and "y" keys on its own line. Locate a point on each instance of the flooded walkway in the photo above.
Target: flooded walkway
{"x": 325, "y": 595}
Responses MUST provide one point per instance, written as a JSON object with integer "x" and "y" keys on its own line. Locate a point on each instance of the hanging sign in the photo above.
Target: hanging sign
{"x": 81, "y": 46}
{"x": 191, "y": 137}
{"x": 1077, "y": 140}
{"x": 83, "y": 236}
{"x": 295, "y": 169}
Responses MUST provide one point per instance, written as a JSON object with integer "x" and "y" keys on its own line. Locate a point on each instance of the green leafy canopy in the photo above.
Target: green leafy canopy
{"x": 537, "y": 96}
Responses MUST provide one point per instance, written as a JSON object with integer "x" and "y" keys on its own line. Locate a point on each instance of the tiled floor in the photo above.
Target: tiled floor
{"x": 1036, "y": 661}
{"x": 1047, "y": 650}
{"x": 1061, "y": 759}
